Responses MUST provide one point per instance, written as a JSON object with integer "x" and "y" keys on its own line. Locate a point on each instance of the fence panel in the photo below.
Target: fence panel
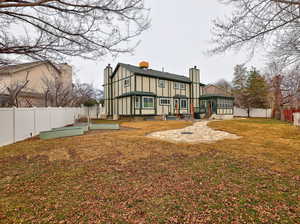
{"x": 6, "y": 126}
{"x": 95, "y": 111}
{"x": 254, "y": 112}
{"x": 296, "y": 119}
{"x": 43, "y": 119}
{"x": 17, "y": 124}
{"x": 24, "y": 123}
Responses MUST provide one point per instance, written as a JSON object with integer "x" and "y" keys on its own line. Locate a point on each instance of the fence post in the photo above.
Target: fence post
{"x": 35, "y": 121}
{"x": 14, "y": 124}
{"x": 49, "y": 114}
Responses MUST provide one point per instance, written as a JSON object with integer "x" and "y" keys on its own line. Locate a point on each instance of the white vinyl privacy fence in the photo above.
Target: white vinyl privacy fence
{"x": 17, "y": 124}
{"x": 254, "y": 112}
{"x": 95, "y": 112}
{"x": 296, "y": 119}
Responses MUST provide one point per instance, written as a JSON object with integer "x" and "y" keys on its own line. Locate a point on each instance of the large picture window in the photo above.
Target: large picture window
{"x": 148, "y": 102}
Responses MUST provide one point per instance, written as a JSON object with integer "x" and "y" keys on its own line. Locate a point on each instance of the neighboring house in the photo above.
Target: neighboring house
{"x": 139, "y": 91}
{"x": 37, "y": 74}
{"x": 215, "y": 90}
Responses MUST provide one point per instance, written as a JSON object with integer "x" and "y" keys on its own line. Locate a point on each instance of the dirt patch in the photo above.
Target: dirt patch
{"x": 198, "y": 133}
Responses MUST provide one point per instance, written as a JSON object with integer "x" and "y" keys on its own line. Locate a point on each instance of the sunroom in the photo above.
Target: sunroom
{"x": 216, "y": 104}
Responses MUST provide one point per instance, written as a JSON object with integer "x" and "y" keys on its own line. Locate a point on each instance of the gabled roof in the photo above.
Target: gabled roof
{"x": 10, "y": 69}
{"x": 152, "y": 73}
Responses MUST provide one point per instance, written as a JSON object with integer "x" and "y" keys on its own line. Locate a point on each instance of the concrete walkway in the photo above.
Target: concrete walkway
{"x": 197, "y": 133}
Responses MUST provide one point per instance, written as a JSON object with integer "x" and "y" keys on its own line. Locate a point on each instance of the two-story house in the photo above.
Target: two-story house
{"x": 38, "y": 74}
{"x": 140, "y": 91}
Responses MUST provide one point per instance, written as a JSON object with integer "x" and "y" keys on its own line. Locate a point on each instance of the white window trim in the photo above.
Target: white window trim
{"x": 176, "y": 87}
{"x": 143, "y": 103}
{"x": 185, "y": 104}
{"x": 182, "y": 86}
{"x": 128, "y": 84}
{"x": 137, "y": 104}
{"x": 163, "y": 83}
{"x": 164, "y": 104}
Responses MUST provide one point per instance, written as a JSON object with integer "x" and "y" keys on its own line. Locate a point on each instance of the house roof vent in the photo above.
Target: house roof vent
{"x": 144, "y": 64}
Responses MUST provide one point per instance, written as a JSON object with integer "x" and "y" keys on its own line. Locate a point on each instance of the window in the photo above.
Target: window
{"x": 183, "y": 104}
{"x": 137, "y": 102}
{"x": 161, "y": 83}
{"x": 178, "y": 85}
{"x": 126, "y": 82}
{"x": 164, "y": 101}
{"x": 148, "y": 102}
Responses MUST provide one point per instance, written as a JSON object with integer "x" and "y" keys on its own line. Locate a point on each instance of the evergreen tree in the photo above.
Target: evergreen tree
{"x": 250, "y": 88}
{"x": 257, "y": 90}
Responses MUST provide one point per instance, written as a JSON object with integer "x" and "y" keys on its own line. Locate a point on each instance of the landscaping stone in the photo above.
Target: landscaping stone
{"x": 200, "y": 132}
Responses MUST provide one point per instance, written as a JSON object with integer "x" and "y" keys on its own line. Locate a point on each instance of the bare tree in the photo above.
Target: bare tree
{"x": 285, "y": 86}
{"x": 273, "y": 24}
{"x": 14, "y": 90}
{"x": 56, "y": 93}
{"x": 82, "y": 92}
{"x": 54, "y": 29}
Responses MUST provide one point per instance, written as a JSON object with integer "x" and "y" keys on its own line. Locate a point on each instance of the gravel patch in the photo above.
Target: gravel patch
{"x": 200, "y": 132}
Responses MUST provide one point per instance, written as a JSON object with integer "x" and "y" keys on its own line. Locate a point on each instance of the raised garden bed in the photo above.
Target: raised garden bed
{"x": 84, "y": 128}
{"x": 60, "y": 133}
{"x": 105, "y": 127}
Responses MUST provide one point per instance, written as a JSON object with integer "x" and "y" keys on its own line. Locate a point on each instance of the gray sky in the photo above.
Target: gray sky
{"x": 178, "y": 37}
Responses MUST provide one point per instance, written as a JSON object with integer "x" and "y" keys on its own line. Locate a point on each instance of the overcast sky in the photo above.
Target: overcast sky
{"x": 178, "y": 37}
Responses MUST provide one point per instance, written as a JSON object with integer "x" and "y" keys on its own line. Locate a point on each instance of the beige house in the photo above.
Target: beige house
{"x": 215, "y": 90}
{"x": 140, "y": 91}
{"x": 38, "y": 75}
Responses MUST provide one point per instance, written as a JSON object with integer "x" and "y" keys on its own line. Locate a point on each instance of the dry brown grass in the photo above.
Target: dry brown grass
{"x": 266, "y": 142}
{"x": 270, "y": 143}
{"x": 125, "y": 177}
{"x": 127, "y": 144}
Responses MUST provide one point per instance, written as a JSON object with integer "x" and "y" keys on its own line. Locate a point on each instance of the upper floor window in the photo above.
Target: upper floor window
{"x": 161, "y": 83}
{"x": 176, "y": 85}
{"x": 126, "y": 82}
{"x": 179, "y": 85}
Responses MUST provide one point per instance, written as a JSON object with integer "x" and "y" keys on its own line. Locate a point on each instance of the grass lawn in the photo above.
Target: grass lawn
{"x": 125, "y": 177}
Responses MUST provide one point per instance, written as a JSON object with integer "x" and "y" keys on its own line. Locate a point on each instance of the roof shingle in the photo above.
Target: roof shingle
{"x": 153, "y": 73}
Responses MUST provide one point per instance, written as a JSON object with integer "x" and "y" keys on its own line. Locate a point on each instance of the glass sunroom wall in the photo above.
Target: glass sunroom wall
{"x": 225, "y": 106}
